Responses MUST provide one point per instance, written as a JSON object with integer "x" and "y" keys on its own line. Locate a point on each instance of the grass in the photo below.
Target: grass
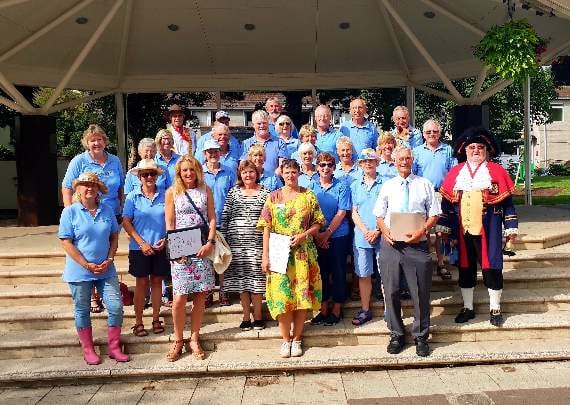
{"x": 562, "y": 182}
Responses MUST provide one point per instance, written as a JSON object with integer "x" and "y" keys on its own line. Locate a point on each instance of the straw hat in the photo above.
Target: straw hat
{"x": 90, "y": 178}
{"x": 174, "y": 108}
{"x": 146, "y": 165}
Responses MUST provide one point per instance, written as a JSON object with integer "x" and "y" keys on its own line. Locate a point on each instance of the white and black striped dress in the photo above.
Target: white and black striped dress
{"x": 239, "y": 220}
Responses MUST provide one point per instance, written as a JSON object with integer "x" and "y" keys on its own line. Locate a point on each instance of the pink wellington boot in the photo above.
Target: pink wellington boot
{"x": 86, "y": 339}
{"x": 114, "y": 347}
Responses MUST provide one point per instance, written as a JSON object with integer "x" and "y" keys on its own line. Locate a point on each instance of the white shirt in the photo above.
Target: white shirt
{"x": 181, "y": 146}
{"x": 421, "y": 198}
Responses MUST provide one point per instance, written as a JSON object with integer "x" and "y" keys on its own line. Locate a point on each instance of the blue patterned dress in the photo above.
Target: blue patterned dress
{"x": 196, "y": 275}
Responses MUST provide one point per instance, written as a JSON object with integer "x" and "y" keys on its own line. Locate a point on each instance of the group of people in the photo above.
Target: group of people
{"x": 332, "y": 192}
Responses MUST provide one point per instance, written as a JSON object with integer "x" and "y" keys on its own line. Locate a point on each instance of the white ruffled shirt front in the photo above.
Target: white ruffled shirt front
{"x": 481, "y": 180}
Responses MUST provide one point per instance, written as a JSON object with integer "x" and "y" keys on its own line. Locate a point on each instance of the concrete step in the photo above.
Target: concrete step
{"x": 227, "y": 337}
{"x": 42, "y": 274}
{"x": 49, "y": 258}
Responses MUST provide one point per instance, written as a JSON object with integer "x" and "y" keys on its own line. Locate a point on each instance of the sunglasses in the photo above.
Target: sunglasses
{"x": 147, "y": 174}
{"x": 428, "y": 132}
{"x": 284, "y": 124}
{"x": 476, "y": 147}
{"x": 326, "y": 164}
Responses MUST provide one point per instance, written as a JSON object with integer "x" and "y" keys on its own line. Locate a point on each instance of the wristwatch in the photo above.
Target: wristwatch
{"x": 212, "y": 241}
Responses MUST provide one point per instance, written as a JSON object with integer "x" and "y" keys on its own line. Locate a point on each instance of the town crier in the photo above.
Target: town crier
{"x": 477, "y": 203}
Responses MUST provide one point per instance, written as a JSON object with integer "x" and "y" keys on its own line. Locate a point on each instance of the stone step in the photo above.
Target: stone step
{"x": 223, "y": 337}
{"x": 14, "y": 275}
{"x": 49, "y": 258}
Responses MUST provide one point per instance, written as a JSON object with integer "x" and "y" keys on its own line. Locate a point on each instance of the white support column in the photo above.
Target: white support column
{"x": 120, "y": 129}
{"x": 494, "y": 89}
{"x": 83, "y": 54}
{"x": 480, "y": 79}
{"x": 77, "y": 101}
{"x": 527, "y": 142}
{"x": 434, "y": 92}
{"x": 124, "y": 42}
{"x": 44, "y": 30}
{"x": 411, "y": 103}
{"x": 433, "y": 64}
{"x": 15, "y": 94}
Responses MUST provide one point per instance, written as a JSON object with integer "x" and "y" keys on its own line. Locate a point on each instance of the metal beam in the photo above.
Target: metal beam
{"x": 527, "y": 142}
{"x": 393, "y": 37}
{"x": 10, "y": 104}
{"x": 494, "y": 89}
{"x": 77, "y": 101}
{"x": 8, "y": 3}
{"x": 44, "y": 30}
{"x": 434, "y": 92}
{"x": 443, "y": 77}
{"x": 120, "y": 128}
{"x": 15, "y": 94}
{"x": 464, "y": 23}
{"x": 83, "y": 54}
{"x": 124, "y": 41}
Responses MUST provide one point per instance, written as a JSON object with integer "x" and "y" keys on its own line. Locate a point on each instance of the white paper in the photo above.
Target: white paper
{"x": 184, "y": 243}
{"x": 279, "y": 252}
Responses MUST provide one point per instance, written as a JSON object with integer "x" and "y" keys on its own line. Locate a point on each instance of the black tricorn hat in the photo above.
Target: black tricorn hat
{"x": 476, "y": 135}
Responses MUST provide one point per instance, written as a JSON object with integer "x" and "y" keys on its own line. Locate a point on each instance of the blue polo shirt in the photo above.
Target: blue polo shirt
{"x": 274, "y": 149}
{"x": 365, "y": 136}
{"x": 335, "y": 197}
{"x": 90, "y": 235}
{"x": 167, "y": 179}
{"x": 234, "y": 152}
{"x": 147, "y": 216}
{"x": 326, "y": 142}
{"x": 363, "y": 200}
{"x": 220, "y": 183}
{"x": 274, "y": 134}
{"x": 386, "y": 170}
{"x": 132, "y": 182}
{"x": 354, "y": 173}
{"x": 416, "y": 138}
{"x": 290, "y": 146}
{"x": 270, "y": 181}
{"x": 433, "y": 165}
{"x": 305, "y": 180}
{"x": 111, "y": 174}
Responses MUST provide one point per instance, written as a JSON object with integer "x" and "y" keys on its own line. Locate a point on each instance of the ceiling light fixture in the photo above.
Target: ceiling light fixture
{"x": 249, "y": 27}
{"x": 81, "y": 20}
{"x": 429, "y": 14}
{"x": 344, "y": 25}
{"x": 173, "y": 27}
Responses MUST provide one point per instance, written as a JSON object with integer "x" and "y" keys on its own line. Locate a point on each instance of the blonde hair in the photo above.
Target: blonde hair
{"x": 306, "y": 129}
{"x": 256, "y": 149}
{"x": 179, "y": 187}
{"x": 91, "y": 131}
{"x": 161, "y": 134}
{"x": 385, "y": 138}
{"x": 76, "y": 197}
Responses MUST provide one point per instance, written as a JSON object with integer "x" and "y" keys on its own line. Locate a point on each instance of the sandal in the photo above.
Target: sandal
{"x": 362, "y": 317}
{"x": 96, "y": 305}
{"x": 224, "y": 299}
{"x": 157, "y": 327}
{"x": 198, "y": 353}
{"x": 139, "y": 330}
{"x": 176, "y": 349}
{"x": 443, "y": 272}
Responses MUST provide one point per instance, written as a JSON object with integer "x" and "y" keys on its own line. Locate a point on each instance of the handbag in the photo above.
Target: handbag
{"x": 221, "y": 256}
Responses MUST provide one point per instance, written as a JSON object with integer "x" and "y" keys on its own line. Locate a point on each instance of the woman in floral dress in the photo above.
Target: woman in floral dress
{"x": 292, "y": 210}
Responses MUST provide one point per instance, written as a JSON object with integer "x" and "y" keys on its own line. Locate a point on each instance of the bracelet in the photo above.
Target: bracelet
{"x": 111, "y": 259}
{"x": 212, "y": 241}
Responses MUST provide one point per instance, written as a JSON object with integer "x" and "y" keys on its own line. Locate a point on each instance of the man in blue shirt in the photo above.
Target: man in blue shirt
{"x": 274, "y": 147}
{"x": 433, "y": 160}
{"x": 222, "y": 117}
{"x": 359, "y": 129}
{"x": 274, "y": 109}
{"x": 326, "y": 135}
{"x": 229, "y": 153}
{"x": 406, "y": 135}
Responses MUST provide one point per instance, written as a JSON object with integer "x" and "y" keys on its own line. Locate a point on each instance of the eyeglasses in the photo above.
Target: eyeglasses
{"x": 284, "y": 124}
{"x": 147, "y": 174}
{"x": 428, "y": 132}
{"x": 326, "y": 164}
{"x": 478, "y": 147}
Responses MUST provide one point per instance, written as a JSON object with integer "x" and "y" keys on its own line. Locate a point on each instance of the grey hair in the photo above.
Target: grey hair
{"x": 143, "y": 143}
{"x": 343, "y": 140}
{"x": 218, "y": 125}
{"x": 323, "y": 107}
{"x": 259, "y": 115}
{"x": 283, "y": 117}
{"x": 431, "y": 121}
{"x": 306, "y": 147}
{"x": 403, "y": 148}
{"x": 401, "y": 108}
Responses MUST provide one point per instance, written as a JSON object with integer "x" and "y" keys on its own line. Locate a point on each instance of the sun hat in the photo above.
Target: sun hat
{"x": 146, "y": 165}
{"x": 222, "y": 114}
{"x": 90, "y": 178}
{"x": 174, "y": 108}
{"x": 368, "y": 154}
{"x": 211, "y": 144}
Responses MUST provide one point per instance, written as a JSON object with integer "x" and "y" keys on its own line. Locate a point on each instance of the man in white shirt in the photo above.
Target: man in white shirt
{"x": 413, "y": 194}
{"x": 184, "y": 138}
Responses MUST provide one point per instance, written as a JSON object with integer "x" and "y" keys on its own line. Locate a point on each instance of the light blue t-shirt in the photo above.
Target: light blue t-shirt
{"x": 167, "y": 179}
{"x": 327, "y": 142}
{"x": 132, "y": 182}
{"x": 147, "y": 216}
{"x": 363, "y": 200}
{"x": 270, "y": 181}
{"x": 220, "y": 183}
{"x": 365, "y": 136}
{"x": 90, "y": 235}
{"x": 111, "y": 174}
{"x": 274, "y": 149}
{"x": 335, "y": 197}
{"x": 305, "y": 180}
{"x": 290, "y": 146}
{"x": 433, "y": 165}
{"x": 233, "y": 155}
{"x": 386, "y": 170}
{"x": 348, "y": 177}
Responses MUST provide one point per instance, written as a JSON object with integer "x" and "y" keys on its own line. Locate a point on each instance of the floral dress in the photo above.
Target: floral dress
{"x": 195, "y": 275}
{"x": 301, "y": 287}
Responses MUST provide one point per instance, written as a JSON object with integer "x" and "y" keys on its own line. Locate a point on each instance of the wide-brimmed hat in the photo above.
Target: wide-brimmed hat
{"x": 90, "y": 178}
{"x": 476, "y": 135}
{"x": 146, "y": 165}
{"x": 368, "y": 154}
{"x": 174, "y": 108}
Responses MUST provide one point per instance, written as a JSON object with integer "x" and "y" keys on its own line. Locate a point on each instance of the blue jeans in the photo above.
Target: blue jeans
{"x": 332, "y": 263}
{"x": 109, "y": 290}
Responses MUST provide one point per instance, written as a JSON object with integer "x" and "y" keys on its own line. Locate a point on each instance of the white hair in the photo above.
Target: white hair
{"x": 306, "y": 147}
{"x": 431, "y": 121}
{"x": 259, "y": 115}
{"x": 145, "y": 142}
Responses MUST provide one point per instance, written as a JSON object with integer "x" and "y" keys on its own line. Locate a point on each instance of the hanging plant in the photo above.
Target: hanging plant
{"x": 512, "y": 50}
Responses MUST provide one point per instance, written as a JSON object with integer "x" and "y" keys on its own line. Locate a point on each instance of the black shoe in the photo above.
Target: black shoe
{"x": 422, "y": 348}
{"x": 464, "y": 315}
{"x": 331, "y": 319}
{"x": 496, "y": 318}
{"x": 380, "y": 296}
{"x": 246, "y": 325}
{"x": 319, "y": 319}
{"x": 405, "y": 295}
{"x": 396, "y": 344}
{"x": 258, "y": 325}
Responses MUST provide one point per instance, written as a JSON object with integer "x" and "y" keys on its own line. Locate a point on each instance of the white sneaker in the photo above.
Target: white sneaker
{"x": 285, "y": 350}
{"x": 296, "y": 348}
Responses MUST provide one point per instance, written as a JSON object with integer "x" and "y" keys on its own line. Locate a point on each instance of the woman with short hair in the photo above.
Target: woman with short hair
{"x": 309, "y": 173}
{"x": 256, "y": 154}
{"x": 165, "y": 157}
{"x": 146, "y": 150}
{"x": 284, "y": 128}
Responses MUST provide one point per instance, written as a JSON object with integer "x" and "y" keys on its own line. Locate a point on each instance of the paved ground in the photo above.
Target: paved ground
{"x": 528, "y": 383}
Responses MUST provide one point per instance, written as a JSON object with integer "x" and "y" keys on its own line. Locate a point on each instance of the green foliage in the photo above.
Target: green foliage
{"x": 562, "y": 182}
{"x": 511, "y": 49}
{"x": 559, "y": 170}
{"x": 6, "y": 153}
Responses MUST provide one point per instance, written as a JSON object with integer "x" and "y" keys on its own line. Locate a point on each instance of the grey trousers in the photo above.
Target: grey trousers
{"x": 415, "y": 262}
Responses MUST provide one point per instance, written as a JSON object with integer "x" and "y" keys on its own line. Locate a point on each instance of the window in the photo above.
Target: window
{"x": 557, "y": 112}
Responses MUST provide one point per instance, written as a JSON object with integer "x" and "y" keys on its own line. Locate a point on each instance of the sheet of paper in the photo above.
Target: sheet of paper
{"x": 279, "y": 252}
{"x": 402, "y": 223}
{"x": 185, "y": 242}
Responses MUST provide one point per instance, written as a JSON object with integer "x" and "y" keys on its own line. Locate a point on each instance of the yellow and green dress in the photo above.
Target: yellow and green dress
{"x": 301, "y": 287}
